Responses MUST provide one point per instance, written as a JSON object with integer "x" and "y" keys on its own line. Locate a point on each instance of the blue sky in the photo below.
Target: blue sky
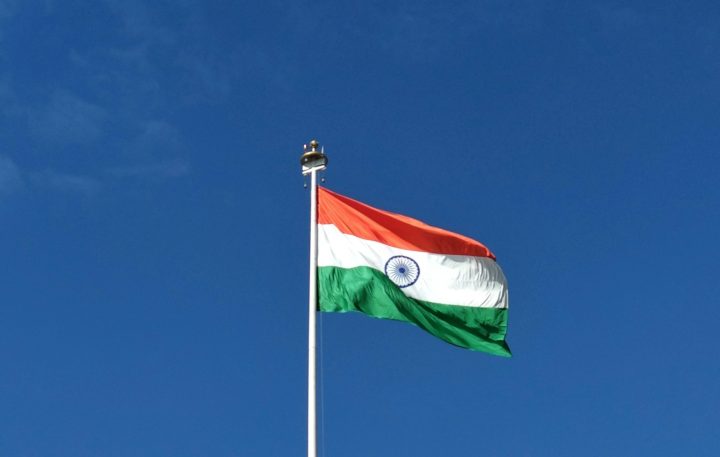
{"x": 154, "y": 232}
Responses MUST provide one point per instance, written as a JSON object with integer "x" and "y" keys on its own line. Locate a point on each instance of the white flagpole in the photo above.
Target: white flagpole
{"x": 312, "y": 314}
{"x": 312, "y": 161}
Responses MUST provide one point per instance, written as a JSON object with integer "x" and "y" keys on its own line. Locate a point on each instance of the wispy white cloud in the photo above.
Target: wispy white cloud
{"x": 128, "y": 72}
{"x": 206, "y": 78}
{"x": 137, "y": 21}
{"x": 10, "y": 176}
{"x": 66, "y": 182}
{"x": 12, "y": 179}
{"x": 155, "y": 153}
{"x": 67, "y": 118}
{"x": 156, "y": 137}
{"x": 173, "y": 168}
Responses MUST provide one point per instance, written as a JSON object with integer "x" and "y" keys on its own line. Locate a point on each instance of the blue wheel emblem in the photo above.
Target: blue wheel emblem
{"x": 402, "y": 271}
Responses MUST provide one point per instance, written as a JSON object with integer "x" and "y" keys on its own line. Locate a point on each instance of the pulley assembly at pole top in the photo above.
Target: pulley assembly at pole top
{"x": 313, "y": 157}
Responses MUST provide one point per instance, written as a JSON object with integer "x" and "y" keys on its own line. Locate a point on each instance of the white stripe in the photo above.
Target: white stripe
{"x": 447, "y": 279}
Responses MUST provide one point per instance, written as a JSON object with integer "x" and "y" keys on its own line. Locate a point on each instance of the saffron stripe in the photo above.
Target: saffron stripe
{"x": 355, "y": 218}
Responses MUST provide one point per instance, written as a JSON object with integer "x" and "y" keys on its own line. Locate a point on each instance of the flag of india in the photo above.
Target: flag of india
{"x": 393, "y": 267}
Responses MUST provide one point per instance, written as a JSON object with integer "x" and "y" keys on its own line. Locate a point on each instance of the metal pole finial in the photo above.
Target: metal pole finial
{"x": 313, "y": 157}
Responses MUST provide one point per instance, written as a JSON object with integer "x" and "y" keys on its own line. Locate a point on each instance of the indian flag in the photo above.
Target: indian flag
{"x": 394, "y": 267}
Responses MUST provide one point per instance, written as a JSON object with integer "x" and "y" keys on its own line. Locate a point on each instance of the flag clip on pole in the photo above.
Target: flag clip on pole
{"x": 312, "y": 161}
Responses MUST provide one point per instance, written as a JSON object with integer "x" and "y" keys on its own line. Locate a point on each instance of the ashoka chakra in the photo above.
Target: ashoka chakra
{"x": 402, "y": 271}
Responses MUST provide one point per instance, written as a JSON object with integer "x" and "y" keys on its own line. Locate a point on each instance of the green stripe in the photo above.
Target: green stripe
{"x": 369, "y": 291}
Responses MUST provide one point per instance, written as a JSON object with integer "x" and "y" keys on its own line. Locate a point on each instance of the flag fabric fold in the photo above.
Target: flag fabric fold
{"x": 391, "y": 266}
